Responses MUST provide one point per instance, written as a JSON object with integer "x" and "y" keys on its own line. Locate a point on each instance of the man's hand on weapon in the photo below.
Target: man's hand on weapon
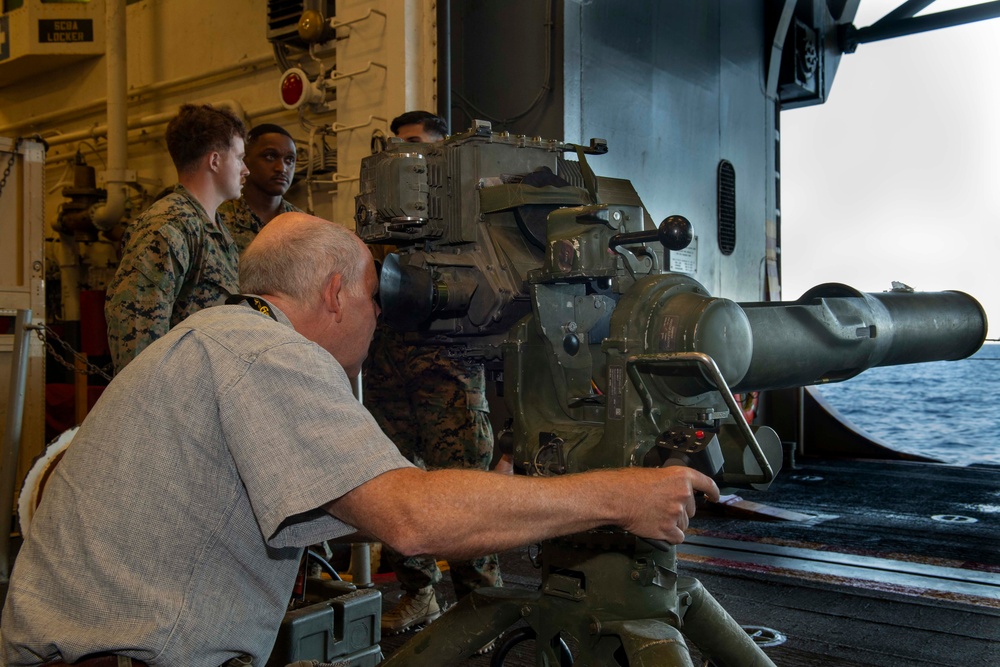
{"x": 661, "y": 501}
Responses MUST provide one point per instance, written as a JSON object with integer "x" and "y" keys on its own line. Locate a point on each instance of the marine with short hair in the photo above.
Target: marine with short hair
{"x": 271, "y": 158}
{"x": 177, "y": 258}
{"x": 419, "y": 126}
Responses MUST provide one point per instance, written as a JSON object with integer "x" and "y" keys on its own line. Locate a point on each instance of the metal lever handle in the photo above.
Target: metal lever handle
{"x": 708, "y": 365}
{"x": 674, "y": 233}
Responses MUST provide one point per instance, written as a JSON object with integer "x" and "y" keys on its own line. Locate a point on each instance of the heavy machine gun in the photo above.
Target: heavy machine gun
{"x": 508, "y": 250}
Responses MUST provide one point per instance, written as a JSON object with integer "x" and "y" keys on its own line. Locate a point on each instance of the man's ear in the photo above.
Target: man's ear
{"x": 332, "y": 296}
{"x": 214, "y": 161}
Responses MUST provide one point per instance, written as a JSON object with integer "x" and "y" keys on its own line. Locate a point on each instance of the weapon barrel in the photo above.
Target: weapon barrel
{"x": 834, "y": 332}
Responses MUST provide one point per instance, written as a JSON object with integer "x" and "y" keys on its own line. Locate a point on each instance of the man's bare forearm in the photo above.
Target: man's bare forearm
{"x": 428, "y": 512}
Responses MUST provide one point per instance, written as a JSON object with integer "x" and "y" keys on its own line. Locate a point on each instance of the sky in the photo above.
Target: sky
{"x": 897, "y": 176}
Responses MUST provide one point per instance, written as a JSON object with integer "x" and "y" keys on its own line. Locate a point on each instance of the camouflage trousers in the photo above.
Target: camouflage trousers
{"x": 434, "y": 408}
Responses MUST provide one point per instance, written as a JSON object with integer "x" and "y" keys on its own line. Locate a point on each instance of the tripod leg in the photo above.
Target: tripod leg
{"x": 714, "y": 631}
{"x": 478, "y": 618}
{"x": 650, "y": 643}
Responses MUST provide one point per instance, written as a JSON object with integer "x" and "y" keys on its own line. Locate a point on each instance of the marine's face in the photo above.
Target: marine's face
{"x": 271, "y": 161}
{"x": 415, "y": 133}
{"x": 233, "y": 170}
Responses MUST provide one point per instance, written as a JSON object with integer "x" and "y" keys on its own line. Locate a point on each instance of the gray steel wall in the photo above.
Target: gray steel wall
{"x": 674, "y": 87}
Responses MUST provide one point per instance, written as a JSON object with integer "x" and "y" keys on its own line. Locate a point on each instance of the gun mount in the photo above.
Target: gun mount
{"x": 507, "y": 249}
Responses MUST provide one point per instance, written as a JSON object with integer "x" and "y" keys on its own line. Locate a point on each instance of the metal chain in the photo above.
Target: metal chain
{"x": 10, "y": 165}
{"x": 43, "y": 332}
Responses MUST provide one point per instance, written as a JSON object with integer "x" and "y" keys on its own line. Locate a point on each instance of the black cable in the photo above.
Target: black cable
{"x": 467, "y": 105}
{"x": 519, "y": 635}
{"x": 324, "y": 564}
{"x": 280, "y": 56}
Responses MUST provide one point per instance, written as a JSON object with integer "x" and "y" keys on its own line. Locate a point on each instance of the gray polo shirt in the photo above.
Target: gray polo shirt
{"x": 172, "y": 529}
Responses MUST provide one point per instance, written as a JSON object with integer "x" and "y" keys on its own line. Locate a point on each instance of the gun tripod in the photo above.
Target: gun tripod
{"x": 618, "y": 597}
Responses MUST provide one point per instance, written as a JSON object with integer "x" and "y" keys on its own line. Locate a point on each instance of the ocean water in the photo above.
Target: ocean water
{"x": 948, "y": 410}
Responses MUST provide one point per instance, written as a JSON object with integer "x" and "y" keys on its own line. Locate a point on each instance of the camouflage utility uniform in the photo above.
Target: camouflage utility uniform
{"x": 243, "y": 223}
{"x": 433, "y": 406}
{"x": 175, "y": 261}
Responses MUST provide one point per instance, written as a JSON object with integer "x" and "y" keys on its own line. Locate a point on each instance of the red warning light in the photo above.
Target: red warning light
{"x": 296, "y": 89}
{"x": 292, "y": 88}
{"x": 699, "y": 435}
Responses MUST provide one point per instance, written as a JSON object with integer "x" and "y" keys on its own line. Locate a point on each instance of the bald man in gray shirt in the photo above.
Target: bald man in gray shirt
{"x": 171, "y": 531}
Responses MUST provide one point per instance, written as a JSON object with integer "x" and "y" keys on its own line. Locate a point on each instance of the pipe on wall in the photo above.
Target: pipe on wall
{"x": 242, "y": 68}
{"x": 110, "y": 213}
{"x": 155, "y": 119}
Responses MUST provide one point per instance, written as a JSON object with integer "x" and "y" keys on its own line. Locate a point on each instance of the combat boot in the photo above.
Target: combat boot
{"x": 412, "y": 609}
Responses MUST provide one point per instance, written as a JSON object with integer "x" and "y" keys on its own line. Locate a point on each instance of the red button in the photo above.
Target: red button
{"x": 699, "y": 434}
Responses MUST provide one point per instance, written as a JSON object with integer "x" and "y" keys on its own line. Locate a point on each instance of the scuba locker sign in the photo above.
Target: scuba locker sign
{"x": 61, "y": 31}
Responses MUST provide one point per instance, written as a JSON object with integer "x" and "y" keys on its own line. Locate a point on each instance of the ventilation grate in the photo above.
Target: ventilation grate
{"x": 727, "y": 207}
{"x": 283, "y": 15}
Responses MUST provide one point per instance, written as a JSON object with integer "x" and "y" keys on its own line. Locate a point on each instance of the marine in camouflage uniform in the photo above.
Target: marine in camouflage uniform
{"x": 175, "y": 261}
{"x": 243, "y": 223}
{"x": 433, "y": 407}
